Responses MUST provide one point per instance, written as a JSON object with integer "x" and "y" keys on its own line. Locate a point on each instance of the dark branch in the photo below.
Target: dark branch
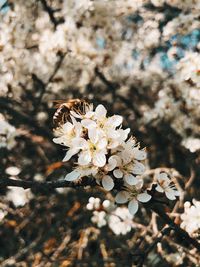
{"x": 109, "y": 84}
{"x": 113, "y": 88}
{"x": 51, "y": 12}
{"x": 179, "y": 232}
{"x": 7, "y": 106}
{"x": 47, "y": 185}
{"x": 144, "y": 255}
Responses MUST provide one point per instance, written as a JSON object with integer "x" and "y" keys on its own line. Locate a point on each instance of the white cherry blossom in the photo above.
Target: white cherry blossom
{"x": 69, "y": 135}
{"x": 165, "y": 185}
{"x": 133, "y": 195}
{"x": 93, "y": 152}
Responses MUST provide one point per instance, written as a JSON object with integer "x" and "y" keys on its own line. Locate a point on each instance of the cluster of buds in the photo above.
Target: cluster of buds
{"x": 104, "y": 151}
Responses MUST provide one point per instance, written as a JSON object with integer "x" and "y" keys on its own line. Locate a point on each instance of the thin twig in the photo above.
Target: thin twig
{"x": 163, "y": 232}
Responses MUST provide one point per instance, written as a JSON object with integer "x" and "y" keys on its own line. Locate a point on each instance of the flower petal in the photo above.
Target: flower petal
{"x": 84, "y": 158}
{"x": 159, "y": 189}
{"x": 133, "y": 206}
{"x": 60, "y": 140}
{"x": 70, "y": 153}
{"x": 87, "y": 123}
{"x": 102, "y": 143}
{"x": 72, "y": 176}
{"x": 139, "y": 154}
{"x": 170, "y": 194}
{"x": 138, "y": 168}
{"x": 99, "y": 159}
{"x": 107, "y": 183}
{"x": 115, "y": 120}
{"x": 112, "y": 133}
{"x": 118, "y": 173}
{"x": 67, "y": 127}
{"x": 143, "y": 197}
{"x": 100, "y": 112}
{"x": 122, "y": 197}
{"x": 93, "y": 135}
{"x": 112, "y": 163}
{"x": 79, "y": 143}
{"x": 130, "y": 179}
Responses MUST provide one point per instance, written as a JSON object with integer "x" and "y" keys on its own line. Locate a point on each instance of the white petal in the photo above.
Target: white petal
{"x": 177, "y": 193}
{"x": 162, "y": 177}
{"x": 130, "y": 179}
{"x": 93, "y": 135}
{"x": 139, "y": 184}
{"x": 159, "y": 189}
{"x": 138, "y": 168}
{"x": 79, "y": 143}
{"x": 139, "y": 154}
{"x": 89, "y": 114}
{"x": 113, "y": 144}
{"x": 170, "y": 194}
{"x": 60, "y": 140}
{"x": 112, "y": 163}
{"x": 112, "y": 133}
{"x": 100, "y": 112}
{"x": 115, "y": 120}
{"x": 67, "y": 127}
{"x": 122, "y": 197}
{"x": 84, "y": 158}
{"x": 118, "y": 173}
{"x": 72, "y": 176}
{"x": 70, "y": 153}
{"x": 107, "y": 183}
{"x": 87, "y": 123}
{"x": 143, "y": 197}
{"x": 124, "y": 134}
{"x": 133, "y": 206}
{"x": 102, "y": 143}
{"x": 99, "y": 159}
{"x": 78, "y": 129}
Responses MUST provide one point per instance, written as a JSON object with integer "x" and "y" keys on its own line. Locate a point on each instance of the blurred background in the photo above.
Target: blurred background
{"x": 139, "y": 58}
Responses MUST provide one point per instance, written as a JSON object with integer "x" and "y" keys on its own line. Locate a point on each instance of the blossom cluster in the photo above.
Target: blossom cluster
{"x": 191, "y": 217}
{"x": 118, "y": 219}
{"x": 147, "y": 49}
{"x": 7, "y": 134}
{"x": 104, "y": 151}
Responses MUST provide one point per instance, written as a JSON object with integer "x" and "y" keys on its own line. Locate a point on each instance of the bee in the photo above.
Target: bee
{"x": 64, "y": 107}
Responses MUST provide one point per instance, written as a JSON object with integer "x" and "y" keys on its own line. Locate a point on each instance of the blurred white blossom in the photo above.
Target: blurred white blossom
{"x": 7, "y": 134}
{"x": 118, "y": 219}
{"x": 191, "y": 217}
{"x": 19, "y": 196}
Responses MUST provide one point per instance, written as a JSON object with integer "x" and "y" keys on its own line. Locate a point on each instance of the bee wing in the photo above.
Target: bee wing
{"x": 57, "y": 103}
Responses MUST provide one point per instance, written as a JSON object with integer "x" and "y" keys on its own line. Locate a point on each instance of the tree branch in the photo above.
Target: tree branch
{"x": 8, "y": 106}
{"x": 46, "y": 185}
{"x": 179, "y": 232}
{"x": 50, "y": 12}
